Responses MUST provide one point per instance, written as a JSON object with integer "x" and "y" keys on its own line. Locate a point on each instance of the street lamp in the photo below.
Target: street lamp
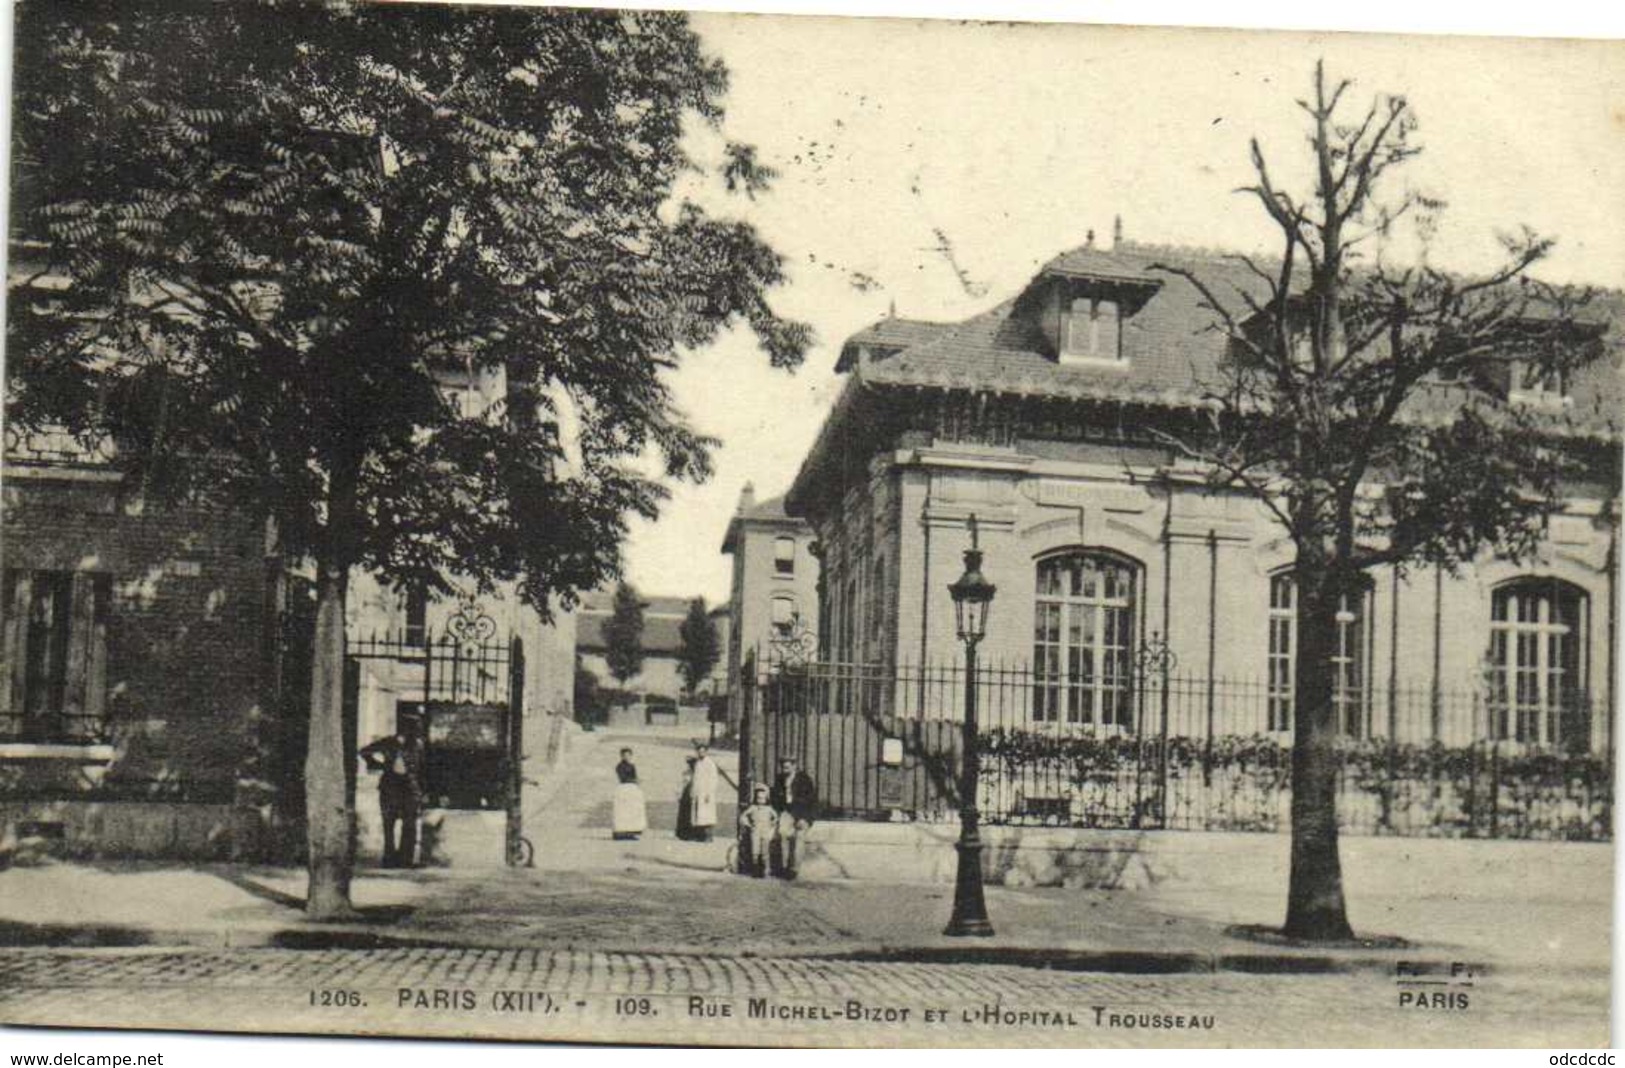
{"x": 972, "y": 595}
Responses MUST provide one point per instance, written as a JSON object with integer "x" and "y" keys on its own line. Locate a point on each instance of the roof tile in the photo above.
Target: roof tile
{"x": 1172, "y": 347}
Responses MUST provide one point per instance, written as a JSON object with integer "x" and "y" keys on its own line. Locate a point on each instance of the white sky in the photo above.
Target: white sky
{"x": 1013, "y": 141}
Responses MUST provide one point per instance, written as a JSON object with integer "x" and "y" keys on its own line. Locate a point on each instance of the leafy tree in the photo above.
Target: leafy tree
{"x": 623, "y": 634}
{"x": 700, "y": 647}
{"x": 1374, "y": 412}
{"x": 262, "y": 238}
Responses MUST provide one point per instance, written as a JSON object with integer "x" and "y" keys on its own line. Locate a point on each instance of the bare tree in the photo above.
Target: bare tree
{"x": 1384, "y": 416}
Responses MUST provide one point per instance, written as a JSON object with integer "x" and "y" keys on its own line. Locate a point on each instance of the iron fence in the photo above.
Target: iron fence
{"x": 1153, "y": 749}
{"x": 57, "y": 445}
{"x": 460, "y": 691}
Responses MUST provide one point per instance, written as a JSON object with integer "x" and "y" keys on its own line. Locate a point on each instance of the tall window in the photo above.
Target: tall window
{"x": 1537, "y": 663}
{"x": 1083, "y": 627}
{"x": 784, "y": 614}
{"x": 1349, "y": 693}
{"x": 877, "y": 602}
{"x": 1283, "y": 632}
{"x": 824, "y": 609}
{"x": 55, "y": 632}
{"x": 849, "y": 629}
{"x": 846, "y": 645}
{"x": 784, "y": 556}
{"x": 417, "y": 615}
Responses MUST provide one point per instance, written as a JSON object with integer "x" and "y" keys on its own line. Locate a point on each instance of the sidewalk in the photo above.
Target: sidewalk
{"x": 669, "y": 908}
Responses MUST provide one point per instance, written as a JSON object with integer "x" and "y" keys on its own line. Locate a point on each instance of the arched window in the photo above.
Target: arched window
{"x": 1283, "y": 645}
{"x": 1537, "y": 664}
{"x": 1083, "y": 637}
{"x": 877, "y": 601}
{"x": 1349, "y": 692}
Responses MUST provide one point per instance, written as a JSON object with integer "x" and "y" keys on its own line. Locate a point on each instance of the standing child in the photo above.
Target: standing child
{"x": 757, "y": 822}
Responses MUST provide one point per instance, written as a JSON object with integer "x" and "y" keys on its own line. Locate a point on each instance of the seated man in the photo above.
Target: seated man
{"x": 795, "y": 797}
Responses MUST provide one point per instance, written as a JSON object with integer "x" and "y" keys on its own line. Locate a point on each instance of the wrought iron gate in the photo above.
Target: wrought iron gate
{"x": 461, "y": 694}
{"x": 1176, "y": 752}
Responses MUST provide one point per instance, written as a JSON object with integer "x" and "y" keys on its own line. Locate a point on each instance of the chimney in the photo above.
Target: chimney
{"x": 1117, "y": 230}
{"x": 891, "y": 312}
{"x": 1089, "y": 239}
{"x": 747, "y": 498}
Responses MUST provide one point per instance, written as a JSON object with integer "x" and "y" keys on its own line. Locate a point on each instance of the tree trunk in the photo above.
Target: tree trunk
{"x": 329, "y": 801}
{"x": 1315, "y": 906}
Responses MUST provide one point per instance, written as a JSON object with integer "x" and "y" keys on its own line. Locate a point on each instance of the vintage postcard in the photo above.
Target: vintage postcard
{"x": 737, "y": 530}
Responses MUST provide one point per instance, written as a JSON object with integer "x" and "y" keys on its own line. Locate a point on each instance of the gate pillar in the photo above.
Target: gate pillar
{"x": 514, "y": 844}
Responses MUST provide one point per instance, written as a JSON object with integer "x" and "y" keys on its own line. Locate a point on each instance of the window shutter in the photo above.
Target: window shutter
{"x": 81, "y": 625}
{"x": 87, "y": 649}
{"x": 21, "y": 587}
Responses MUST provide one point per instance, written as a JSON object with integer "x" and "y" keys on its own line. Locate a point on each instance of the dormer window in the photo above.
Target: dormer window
{"x": 1259, "y": 344}
{"x": 1303, "y": 349}
{"x": 1091, "y": 330}
{"x": 1080, "y": 302}
{"x": 1534, "y": 384}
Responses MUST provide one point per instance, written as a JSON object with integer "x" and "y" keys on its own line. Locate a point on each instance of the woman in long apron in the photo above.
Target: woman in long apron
{"x": 629, "y": 815}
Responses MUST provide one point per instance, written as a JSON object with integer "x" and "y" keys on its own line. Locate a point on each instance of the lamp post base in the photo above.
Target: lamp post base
{"x": 969, "y": 919}
{"x": 968, "y": 929}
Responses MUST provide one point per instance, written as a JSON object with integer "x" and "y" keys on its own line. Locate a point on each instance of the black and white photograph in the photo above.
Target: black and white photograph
{"x": 710, "y": 529}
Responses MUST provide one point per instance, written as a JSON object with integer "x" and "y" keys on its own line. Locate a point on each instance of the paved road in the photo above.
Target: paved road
{"x": 573, "y": 834}
{"x": 683, "y": 931}
{"x": 565, "y": 994}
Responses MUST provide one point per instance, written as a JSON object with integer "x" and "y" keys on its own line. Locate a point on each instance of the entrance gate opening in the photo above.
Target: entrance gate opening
{"x": 461, "y": 694}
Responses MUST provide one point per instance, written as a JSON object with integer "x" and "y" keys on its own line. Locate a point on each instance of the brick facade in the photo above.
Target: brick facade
{"x": 175, "y": 708}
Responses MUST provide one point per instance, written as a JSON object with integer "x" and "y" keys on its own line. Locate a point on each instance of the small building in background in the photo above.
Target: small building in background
{"x": 774, "y": 599}
{"x": 656, "y": 695}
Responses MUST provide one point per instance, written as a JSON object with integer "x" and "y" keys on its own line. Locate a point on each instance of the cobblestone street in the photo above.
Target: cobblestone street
{"x": 612, "y": 940}
{"x": 542, "y": 994}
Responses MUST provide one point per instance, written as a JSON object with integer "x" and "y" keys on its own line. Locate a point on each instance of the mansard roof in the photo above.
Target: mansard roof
{"x": 1172, "y": 346}
{"x": 1169, "y": 344}
{"x": 888, "y": 335}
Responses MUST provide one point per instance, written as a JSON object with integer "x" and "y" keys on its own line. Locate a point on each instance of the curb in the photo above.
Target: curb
{"x": 1106, "y": 961}
{"x": 1143, "y": 962}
